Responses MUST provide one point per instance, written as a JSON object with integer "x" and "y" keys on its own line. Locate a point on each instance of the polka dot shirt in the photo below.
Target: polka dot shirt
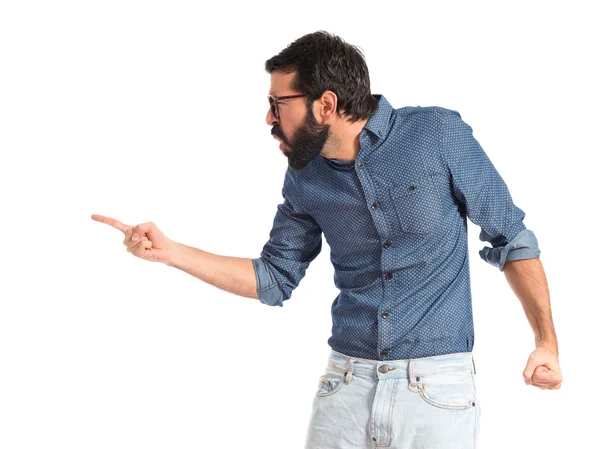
{"x": 396, "y": 222}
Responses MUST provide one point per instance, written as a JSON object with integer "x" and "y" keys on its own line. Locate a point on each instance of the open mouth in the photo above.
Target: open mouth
{"x": 280, "y": 142}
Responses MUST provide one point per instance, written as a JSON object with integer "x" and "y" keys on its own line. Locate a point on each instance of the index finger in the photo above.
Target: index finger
{"x": 112, "y": 222}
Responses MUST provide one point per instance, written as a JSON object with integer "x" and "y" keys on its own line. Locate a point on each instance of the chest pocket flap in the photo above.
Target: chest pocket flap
{"x": 418, "y": 205}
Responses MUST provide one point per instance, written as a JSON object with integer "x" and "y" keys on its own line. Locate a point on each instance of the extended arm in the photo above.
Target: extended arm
{"x": 232, "y": 274}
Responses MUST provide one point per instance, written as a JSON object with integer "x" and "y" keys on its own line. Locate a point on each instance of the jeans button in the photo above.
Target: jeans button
{"x": 384, "y": 369}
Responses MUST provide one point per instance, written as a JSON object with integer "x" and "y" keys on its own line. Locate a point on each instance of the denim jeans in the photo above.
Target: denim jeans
{"x": 424, "y": 403}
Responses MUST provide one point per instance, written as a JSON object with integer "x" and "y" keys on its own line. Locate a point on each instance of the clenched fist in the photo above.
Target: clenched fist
{"x": 144, "y": 240}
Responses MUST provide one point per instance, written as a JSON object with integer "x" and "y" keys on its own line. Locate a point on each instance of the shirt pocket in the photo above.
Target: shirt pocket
{"x": 418, "y": 205}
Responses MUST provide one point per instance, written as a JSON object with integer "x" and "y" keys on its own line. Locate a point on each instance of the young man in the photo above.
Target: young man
{"x": 391, "y": 190}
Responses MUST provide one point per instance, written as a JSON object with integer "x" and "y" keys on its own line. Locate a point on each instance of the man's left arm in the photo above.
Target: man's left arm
{"x": 527, "y": 279}
{"x": 488, "y": 203}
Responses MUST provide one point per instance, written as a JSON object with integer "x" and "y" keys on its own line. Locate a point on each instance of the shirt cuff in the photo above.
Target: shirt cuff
{"x": 267, "y": 288}
{"x": 523, "y": 246}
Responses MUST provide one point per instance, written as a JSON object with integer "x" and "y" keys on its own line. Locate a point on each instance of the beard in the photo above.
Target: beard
{"x": 307, "y": 142}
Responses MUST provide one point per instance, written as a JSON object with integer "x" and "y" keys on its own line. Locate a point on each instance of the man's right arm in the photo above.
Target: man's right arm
{"x": 233, "y": 274}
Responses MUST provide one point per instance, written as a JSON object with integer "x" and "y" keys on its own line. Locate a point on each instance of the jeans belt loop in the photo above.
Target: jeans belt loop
{"x": 348, "y": 374}
{"x": 411, "y": 373}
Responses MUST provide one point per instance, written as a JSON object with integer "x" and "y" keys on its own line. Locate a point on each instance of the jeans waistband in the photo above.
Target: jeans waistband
{"x": 406, "y": 369}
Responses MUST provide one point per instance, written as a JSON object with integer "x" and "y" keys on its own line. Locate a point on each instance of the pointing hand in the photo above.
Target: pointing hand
{"x": 143, "y": 240}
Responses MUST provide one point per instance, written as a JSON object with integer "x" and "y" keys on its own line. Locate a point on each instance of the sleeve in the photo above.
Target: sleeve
{"x": 480, "y": 188}
{"x": 294, "y": 242}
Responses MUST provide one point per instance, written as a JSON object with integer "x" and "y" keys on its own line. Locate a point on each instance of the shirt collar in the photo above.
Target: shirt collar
{"x": 378, "y": 122}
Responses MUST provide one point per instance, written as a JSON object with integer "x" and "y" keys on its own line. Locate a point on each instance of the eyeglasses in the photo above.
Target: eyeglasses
{"x": 273, "y": 101}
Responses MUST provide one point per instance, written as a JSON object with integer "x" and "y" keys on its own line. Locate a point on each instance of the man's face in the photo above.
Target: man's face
{"x": 301, "y": 135}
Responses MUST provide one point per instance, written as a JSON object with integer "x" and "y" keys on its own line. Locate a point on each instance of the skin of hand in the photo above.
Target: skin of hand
{"x": 542, "y": 369}
{"x": 144, "y": 240}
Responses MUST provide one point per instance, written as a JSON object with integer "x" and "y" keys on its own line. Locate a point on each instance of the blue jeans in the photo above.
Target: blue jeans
{"x": 425, "y": 403}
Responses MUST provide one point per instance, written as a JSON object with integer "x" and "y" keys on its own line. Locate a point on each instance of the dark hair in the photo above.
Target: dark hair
{"x": 323, "y": 61}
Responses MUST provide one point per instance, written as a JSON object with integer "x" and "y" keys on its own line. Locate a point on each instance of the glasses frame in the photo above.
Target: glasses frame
{"x": 274, "y": 102}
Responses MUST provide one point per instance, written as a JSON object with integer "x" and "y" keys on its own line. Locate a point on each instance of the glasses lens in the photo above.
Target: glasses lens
{"x": 274, "y": 110}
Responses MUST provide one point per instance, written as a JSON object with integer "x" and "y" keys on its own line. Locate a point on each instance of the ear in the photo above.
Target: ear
{"x": 326, "y": 107}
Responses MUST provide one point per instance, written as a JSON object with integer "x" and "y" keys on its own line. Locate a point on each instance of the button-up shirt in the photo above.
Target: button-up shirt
{"x": 395, "y": 219}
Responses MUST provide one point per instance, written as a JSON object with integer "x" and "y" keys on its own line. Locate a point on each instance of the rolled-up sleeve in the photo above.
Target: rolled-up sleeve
{"x": 294, "y": 242}
{"x": 480, "y": 188}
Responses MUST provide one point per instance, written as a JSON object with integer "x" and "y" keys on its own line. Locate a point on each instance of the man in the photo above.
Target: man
{"x": 391, "y": 190}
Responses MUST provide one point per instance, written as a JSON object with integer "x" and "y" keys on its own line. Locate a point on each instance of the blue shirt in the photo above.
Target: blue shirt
{"x": 396, "y": 222}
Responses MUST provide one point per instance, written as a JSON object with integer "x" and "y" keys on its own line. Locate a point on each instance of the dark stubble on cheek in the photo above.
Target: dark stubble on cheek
{"x": 309, "y": 140}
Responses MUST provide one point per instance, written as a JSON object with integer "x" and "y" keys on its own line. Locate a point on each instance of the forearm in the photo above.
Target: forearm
{"x": 232, "y": 274}
{"x": 528, "y": 281}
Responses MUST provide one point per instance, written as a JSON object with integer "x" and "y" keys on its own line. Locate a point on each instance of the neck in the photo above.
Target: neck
{"x": 344, "y": 144}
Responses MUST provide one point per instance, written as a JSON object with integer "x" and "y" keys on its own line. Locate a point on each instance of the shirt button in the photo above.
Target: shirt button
{"x": 375, "y": 205}
{"x": 384, "y": 352}
{"x": 360, "y": 165}
{"x": 387, "y": 244}
{"x": 388, "y": 275}
{"x": 385, "y": 314}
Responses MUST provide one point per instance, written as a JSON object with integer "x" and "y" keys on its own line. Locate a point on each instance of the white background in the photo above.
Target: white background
{"x": 155, "y": 111}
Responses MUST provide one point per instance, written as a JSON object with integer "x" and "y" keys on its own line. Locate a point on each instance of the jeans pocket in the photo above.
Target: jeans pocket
{"x": 418, "y": 205}
{"x": 330, "y": 383}
{"x": 454, "y": 390}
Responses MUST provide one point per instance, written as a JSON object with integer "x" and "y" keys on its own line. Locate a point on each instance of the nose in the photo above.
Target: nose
{"x": 271, "y": 120}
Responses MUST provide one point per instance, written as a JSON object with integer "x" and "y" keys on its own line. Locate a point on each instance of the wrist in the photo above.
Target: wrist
{"x": 548, "y": 345}
{"x": 175, "y": 254}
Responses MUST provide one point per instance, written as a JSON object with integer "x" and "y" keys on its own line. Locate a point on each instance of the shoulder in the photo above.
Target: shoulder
{"x": 425, "y": 112}
{"x": 427, "y": 120}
